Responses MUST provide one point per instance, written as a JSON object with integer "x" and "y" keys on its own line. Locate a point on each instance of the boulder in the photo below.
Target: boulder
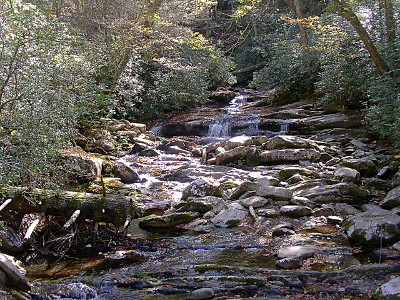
{"x": 201, "y": 205}
{"x": 330, "y": 121}
{"x": 392, "y": 199}
{"x": 286, "y": 173}
{"x": 237, "y": 141}
{"x": 200, "y": 188}
{"x": 239, "y": 191}
{"x": 254, "y": 201}
{"x": 149, "y": 153}
{"x": 168, "y": 220}
{"x": 273, "y": 192}
{"x": 289, "y": 263}
{"x": 388, "y": 290}
{"x": 336, "y": 193}
{"x": 395, "y": 182}
{"x": 285, "y": 142}
{"x": 201, "y": 294}
{"x": 231, "y": 156}
{"x": 365, "y": 166}
{"x": 9, "y": 240}
{"x": 85, "y": 165}
{"x": 285, "y": 155}
{"x": 295, "y": 211}
{"x": 347, "y": 174}
{"x": 64, "y": 291}
{"x": 229, "y": 217}
{"x": 123, "y": 171}
{"x": 267, "y": 181}
{"x": 373, "y": 227}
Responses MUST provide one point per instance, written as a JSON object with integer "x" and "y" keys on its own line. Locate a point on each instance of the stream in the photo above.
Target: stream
{"x": 201, "y": 261}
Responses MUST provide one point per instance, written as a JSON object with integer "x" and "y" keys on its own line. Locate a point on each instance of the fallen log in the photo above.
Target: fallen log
{"x": 110, "y": 209}
{"x": 249, "y": 69}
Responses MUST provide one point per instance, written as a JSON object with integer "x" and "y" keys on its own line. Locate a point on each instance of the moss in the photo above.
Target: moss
{"x": 209, "y": 268}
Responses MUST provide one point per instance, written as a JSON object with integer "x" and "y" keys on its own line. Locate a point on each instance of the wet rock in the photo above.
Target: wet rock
{"x": 282, "y": 231}
{"x": 15, "y": 274}
{"x": 149, "y": 153}
{"x": 336, "y": 193}
{"x": 231, "y": 156}
{"x": 9, "y": 240}
{"x": 64, "y": 291}
{"x": 392, "y": 199}
{"x": 295, "y": 211}
{"x": 373, "y": 227}
{"x": 323, "y": 211}
{"x": 201, "y": 187}
{"x": 254, "y": 201}
{"x": 202, "y": 205}
{"x": 286, "y": 173}
{"x": 123, "y": 171}
{"x": 365, "y": 166}
{"x": 335, "y": 220}
{"x": 176, "y": 150}
{"x": 289, "y": 263}
{"x": 137, "y": 147}
{"x": 296, "y": 251}
{"x": 169, "y": 220}
{"x": 287, "y": 155}
{"x": 203, "y": 293}
{"x": 229, "y": 217}
{"x": 302, "y": 201}
{"x": 387, "y": 172}
{"x": 389, "y": 290}
{"x": 285, "y": 142}
{"x": 347, "y": 174}
{"x": 273, "y": 192}
{"x": 200, "y": 226}
{"x": 330, "y": 121}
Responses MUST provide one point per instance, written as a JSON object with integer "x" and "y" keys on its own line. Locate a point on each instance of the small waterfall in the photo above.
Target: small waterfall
{"x": 158, "y": 128}
{"x": 284, "y": 126}
{"x": 220, "y": 127}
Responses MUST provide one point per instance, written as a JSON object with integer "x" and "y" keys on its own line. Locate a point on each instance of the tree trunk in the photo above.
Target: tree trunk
{"x": 110, "y": 209}
{"x": 345, "y": 11}
{"x": 390, "y": 21}
{"x": 297, "y": 7}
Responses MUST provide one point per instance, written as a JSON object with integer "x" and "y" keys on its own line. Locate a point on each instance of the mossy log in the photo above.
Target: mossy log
{"x": 110, "y": 209}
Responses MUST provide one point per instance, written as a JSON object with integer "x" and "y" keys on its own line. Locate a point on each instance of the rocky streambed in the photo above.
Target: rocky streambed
{"x": 307, "y": 212}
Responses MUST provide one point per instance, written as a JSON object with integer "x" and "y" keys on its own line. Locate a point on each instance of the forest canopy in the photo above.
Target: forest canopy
{"x": 68, "y": 63}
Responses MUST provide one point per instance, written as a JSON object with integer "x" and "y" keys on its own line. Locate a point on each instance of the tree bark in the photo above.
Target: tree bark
{"x": 110, "y": 209}
{"x": 297, "y": 7}
{"x": 345, "y": 11}
{"x": 390, "y": 21}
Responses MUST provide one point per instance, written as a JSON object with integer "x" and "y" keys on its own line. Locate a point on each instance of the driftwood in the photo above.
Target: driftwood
{"x": 110, "y": 209}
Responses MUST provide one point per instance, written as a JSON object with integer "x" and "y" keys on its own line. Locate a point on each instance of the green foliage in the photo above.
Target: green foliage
{"x": 45, "y": 90}
{"x": 383, "y": 111}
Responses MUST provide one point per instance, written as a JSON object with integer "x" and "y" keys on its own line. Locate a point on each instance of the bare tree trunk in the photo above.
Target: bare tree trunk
{"x": 297, "y": 7}
{"x": 345, "y": 11}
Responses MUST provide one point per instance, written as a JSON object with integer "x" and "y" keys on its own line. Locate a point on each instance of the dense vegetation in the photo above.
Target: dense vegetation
{"x": 68, "y": 62}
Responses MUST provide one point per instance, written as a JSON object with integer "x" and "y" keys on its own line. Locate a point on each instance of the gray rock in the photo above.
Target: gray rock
{"x": 395, "y": 182}
{"x": 286, "y": 141}
{"x": 330, "y": 121}
{"x": 169, "y": 220}
{"x": 335, "y": 220}
{"x": 365, "y": 166}
{"x": 286, "y": 173}
{"x": 295, "y": 211}
{"x": 347, "y": 174}
{"x": 267, "y": 181}
{"x": 373, "y": 227}
{"x": 229, "y": 217}
{"x": 296, "y": 251}
{"x": 231, "y": 156}
{"x": 203, "y": 293}
{"x": 65, "y": 291}
{"x": 255, "y": 202}
{"x": 201, "y": 205}
{"x": 289, "y": 263}
{"x": 237, "y": 141}
{"x": 201, "y": 187}
{"x": 9, "y": 240}
{"x": 386, "y": 172}
{"x": 273, "y": 192}
{"x": 302, "y": 201}
{"x": 392, "y": 199}
{"x": 323, "y": 211}
{"x": 176, "y": 150}
{"x": 149, "y": 153}
{"x": 240, "y": 191}
{"x": 125, "y": 172}
{"x": 267, "y": 212}
{"x": 389, "y": 290}
{"x": 288, "y": 155}
{"x": 336, "y": 193}
{"x": 296, "y": 178}
{"x": 200, "y": 226}
{"x": 281, "y": 231}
